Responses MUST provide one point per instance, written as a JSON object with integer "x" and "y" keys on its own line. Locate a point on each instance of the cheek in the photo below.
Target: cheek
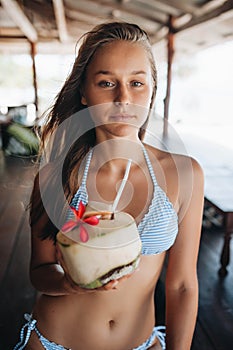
{"x": 96, "y": 98}
{"x": 144, "y": 100}
{"x": 145, "y": 96}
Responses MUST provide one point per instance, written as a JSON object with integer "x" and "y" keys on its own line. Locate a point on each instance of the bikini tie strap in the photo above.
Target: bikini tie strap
{"x": 150, "y": 166}
{"x": 160, "y": 334}
{"x": 157, "y": 332}
{"x": 31, "y": 324}
{"x": 81, "y": 194}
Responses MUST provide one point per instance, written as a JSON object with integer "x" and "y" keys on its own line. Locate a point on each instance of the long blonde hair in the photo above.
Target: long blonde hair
{"x": 68, "y": 103}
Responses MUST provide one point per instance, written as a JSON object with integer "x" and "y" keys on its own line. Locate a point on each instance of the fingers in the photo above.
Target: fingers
{"x": 114, "y": 283}
{"x": 111, "y": 285}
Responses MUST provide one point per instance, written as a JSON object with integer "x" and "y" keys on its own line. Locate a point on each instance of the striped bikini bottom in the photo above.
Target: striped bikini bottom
{"x": 30, "y": 326}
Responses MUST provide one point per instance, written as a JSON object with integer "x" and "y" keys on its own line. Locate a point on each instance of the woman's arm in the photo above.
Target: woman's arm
{"x": 181, "y": 276}
{"x": 46, "y": 273}
{"x": 47, "y": 270}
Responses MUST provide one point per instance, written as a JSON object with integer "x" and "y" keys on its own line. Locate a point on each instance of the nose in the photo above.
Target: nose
{"x": 123, "y": 95}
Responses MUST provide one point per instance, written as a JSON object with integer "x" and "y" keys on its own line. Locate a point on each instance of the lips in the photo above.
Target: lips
{"x": 121, "y": 117}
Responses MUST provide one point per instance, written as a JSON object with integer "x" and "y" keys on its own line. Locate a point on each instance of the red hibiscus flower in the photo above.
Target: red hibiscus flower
{"x": 79, "y": 222}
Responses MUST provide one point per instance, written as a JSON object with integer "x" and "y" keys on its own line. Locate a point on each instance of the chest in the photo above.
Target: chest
{"x": 136, "y": 196}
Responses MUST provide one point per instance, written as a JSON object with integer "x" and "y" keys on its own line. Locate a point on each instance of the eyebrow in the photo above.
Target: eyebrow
{"x": 106, "y": 72}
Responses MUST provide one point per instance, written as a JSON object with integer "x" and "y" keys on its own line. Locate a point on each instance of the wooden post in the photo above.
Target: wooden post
{"x": 33, "y": 54}
{"x": 170, "y": 54}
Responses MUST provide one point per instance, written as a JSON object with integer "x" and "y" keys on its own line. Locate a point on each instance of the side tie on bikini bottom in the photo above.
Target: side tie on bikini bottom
{"x": 26, "y": 332}
{"x": 158, "y": 332}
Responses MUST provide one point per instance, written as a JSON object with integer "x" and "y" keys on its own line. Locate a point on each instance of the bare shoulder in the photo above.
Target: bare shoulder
{"x": 189, "y": 170}
{"x": 176, "y": 163}
{"x": 180, "y": 176}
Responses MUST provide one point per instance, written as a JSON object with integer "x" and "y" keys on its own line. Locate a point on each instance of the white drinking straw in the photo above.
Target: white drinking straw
{"x": 121, "y": 188}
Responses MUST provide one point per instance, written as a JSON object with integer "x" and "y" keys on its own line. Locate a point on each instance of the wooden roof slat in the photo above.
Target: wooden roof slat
{"x": 124, "y": 8}
{"x": 144, "y": 11}
{"x": 59, "y": 12}
{"x": 179, "y": 5}
{"x": 161, "y": 7}
{"x": 159, "y": 35}
{"x": 209, "y": 6}
{"x": 227, "y": 6}
{"x": 83, "y": 16}
{"x": 20, "y": 19}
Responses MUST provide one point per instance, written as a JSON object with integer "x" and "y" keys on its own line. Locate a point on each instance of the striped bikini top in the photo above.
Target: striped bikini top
{"x": 159, "y": 226}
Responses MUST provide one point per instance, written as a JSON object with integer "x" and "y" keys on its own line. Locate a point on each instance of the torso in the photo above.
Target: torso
{"x": 120, "y": 319}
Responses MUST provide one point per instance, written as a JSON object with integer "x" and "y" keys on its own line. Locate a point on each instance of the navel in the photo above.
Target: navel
{"x": 112, "y": 324}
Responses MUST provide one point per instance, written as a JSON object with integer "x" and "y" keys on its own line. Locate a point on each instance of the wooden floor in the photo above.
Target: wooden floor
{"x": 17, "y": 295}
{"x": 214, "y": 330}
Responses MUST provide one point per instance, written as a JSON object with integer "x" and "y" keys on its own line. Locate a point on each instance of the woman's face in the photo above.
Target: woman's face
{"x": 119, "y": 84}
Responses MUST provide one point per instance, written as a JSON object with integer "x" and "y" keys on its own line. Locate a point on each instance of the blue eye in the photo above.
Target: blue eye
{"x": 105, "y": 83}
{"x": 137, "y": 83}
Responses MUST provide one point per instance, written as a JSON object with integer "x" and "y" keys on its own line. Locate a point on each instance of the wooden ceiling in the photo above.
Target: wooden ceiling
{"x": 55, "y": 25}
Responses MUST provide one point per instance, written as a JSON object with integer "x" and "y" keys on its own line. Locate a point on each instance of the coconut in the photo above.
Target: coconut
{"x": 112, "y": 250}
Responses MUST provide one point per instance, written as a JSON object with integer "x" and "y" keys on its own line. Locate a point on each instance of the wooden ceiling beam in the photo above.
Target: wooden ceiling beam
{"x": 60, "y": 17}
{"x": 20, "y": 19}
{"x": 182, "y": 20}
{"x": 227, "y": 6}
{"x": 10, "y": 32}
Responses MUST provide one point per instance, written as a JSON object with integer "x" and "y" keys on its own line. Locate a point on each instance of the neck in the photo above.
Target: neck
{"x": 117, "y": 152}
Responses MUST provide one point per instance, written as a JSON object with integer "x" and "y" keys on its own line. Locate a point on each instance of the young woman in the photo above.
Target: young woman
{"x": 114, "y": 79}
